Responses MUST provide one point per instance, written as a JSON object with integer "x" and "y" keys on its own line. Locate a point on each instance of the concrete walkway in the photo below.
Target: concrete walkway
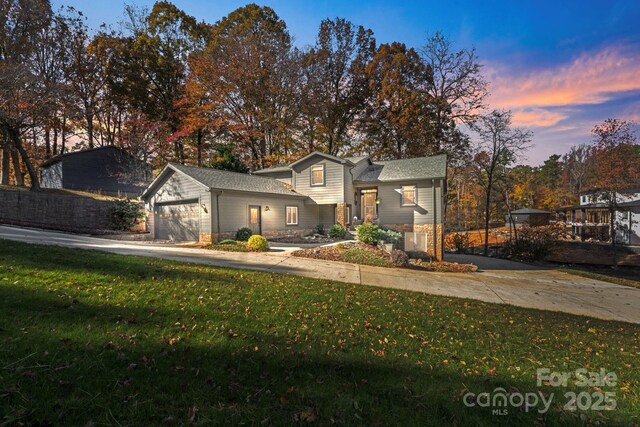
{"x": 504, "y": 283}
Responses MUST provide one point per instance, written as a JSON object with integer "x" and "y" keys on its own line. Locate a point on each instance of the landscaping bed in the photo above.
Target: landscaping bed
{"x": 255, "y": 243}
{"x": 90, "y": 338}
{"x": 364, "y": 254}
{"x": 314, "y": 238}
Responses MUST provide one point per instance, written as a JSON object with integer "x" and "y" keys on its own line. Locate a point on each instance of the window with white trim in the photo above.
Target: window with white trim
{"x": 292, "y": 215}
{"x": 409, "y": 195}
{"x": 317, "y": 175}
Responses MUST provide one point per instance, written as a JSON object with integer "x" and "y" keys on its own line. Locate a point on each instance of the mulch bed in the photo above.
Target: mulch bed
{"x": 309, "y": 239}
{"x": 370, "y": 255}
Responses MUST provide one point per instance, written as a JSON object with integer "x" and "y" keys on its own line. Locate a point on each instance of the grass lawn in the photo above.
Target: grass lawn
{"x": 624, "y": 276}
{"x": 121, "y": 340}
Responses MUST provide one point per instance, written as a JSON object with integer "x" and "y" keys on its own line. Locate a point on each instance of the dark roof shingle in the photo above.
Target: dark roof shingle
{"x": 405, "y": 169}
{"x": 226, "y": 180}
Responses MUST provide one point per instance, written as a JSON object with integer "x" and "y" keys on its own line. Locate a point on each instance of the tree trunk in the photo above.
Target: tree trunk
{"x": 47, "y": 142}
{"x": 55, "y": 140}
{"x": 487, "y": 209}
{"x": 63, "y": 134}
{"x": 199, "y": 146}
{"x": 6, "y": 164}
{"x": 89, "y": 120}
{"x": 15, "y": 138}
{"x": 17, "y": 171}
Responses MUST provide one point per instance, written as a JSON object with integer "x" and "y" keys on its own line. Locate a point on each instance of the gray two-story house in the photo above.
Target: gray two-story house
{"x": 202, "y": 204}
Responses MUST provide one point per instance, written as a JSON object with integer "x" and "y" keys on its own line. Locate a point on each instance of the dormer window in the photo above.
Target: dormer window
{"x": 317, "y": 175}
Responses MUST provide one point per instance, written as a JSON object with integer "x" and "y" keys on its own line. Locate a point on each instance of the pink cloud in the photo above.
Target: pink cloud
{"x": 591, "y": 78}
{"x": 537, "y": 117}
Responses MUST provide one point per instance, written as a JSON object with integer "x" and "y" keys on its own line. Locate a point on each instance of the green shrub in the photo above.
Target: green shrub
{"x": 243, "y": 234}
{"x": 389, "y": 236}
{"x": 319, "y": 229}
{"x": 227, "y": 242}
{"x": 337, "y": 231}
{"x": 368, "y": 233}
{"x": 258, "y": 243}
{"x": 125, "y": 214}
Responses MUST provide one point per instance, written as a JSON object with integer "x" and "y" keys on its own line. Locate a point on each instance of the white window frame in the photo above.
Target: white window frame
{"x": 415, "y": 195}
{"x": 311, "y": 170}
{"x": 286, "y": 215}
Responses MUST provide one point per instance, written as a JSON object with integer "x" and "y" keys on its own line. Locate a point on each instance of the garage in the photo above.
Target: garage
{"x": 178, "y": 221}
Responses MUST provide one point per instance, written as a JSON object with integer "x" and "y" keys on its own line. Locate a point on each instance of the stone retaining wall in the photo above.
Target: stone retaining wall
{"x": 428, "y": 230}
{"x": 57, "y": 210}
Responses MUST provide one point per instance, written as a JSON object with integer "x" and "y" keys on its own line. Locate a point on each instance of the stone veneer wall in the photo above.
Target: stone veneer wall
{"x": 57, "y": 210}
{"x": 423, "y": 228}
{"x": 341, "y": 214}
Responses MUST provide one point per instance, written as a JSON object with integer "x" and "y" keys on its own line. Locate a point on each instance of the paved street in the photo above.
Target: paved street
{"x": 500, "y": 281}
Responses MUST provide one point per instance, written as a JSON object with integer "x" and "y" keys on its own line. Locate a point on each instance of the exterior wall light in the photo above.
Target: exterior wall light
{"x": 267, "y": 208}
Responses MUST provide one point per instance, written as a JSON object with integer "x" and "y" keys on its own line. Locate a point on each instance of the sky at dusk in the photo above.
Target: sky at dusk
{"x": 560, "y": 66}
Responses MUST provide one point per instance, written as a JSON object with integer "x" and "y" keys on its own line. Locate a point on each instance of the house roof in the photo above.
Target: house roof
{"x": 216, "y": 179}
{"x": 273, "y": 169}
{"x": 55, "y": 159}
{"x": 356, "y": 159}
{"x": 602, "y": 190}
{"x": 529, "y": 211}
{"x": 325, "y": 155}
{"x": 405, "y": 169}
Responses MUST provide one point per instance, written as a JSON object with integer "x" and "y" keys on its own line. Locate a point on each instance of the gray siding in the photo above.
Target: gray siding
{"x": 327, "y": 215}
{"x": 282, "y": 176}
{"x": 51, "y": 177}
{"x": 234, "y": 212}
{"x": 391, "y": 211}
{"x": 179, "y": 188}
{"x": 351, "y": 173}
{"x": 331, "y": 192}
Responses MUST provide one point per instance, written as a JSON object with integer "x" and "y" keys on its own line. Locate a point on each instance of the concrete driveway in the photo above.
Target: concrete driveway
{"x": 503, "y": 282}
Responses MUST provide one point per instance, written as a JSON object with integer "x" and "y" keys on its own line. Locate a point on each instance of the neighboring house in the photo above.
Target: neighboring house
{"x": 528, "y": 216}
{"x": 106, "y": 170}
{"x": 591, "y": 219}
{"x": 190, "y": 203}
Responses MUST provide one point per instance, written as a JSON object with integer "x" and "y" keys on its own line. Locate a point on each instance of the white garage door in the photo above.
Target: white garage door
{"x": 178, "y": 222}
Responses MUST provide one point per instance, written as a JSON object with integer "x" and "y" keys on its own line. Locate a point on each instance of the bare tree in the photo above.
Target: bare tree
{"x": 577, "y": 166}
{"x": 498, "y": 146}
{"x": 457, "y": 88}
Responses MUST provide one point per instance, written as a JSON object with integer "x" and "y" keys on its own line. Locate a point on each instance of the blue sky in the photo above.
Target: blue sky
{"x": 560, "y": 66}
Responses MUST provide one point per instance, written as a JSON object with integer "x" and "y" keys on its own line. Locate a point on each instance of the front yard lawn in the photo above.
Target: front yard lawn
{"x": 88, "y": 338}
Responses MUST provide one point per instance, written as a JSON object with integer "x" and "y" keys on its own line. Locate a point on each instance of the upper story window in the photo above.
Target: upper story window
{"x": 317, "y": 175}
{"x": 409, "y": 195}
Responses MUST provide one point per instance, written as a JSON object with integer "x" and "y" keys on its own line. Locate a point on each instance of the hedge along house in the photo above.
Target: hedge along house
{"x": 189, "y": 203}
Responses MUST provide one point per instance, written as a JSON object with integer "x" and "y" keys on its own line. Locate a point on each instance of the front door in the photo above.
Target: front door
{"x": 369, "y": 198}
{"x": 255, "y": 219}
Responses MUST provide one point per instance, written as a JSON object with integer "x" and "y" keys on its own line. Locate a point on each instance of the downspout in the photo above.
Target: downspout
{"x": 435, "y": 238}
{"x": 218, "y": 212}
